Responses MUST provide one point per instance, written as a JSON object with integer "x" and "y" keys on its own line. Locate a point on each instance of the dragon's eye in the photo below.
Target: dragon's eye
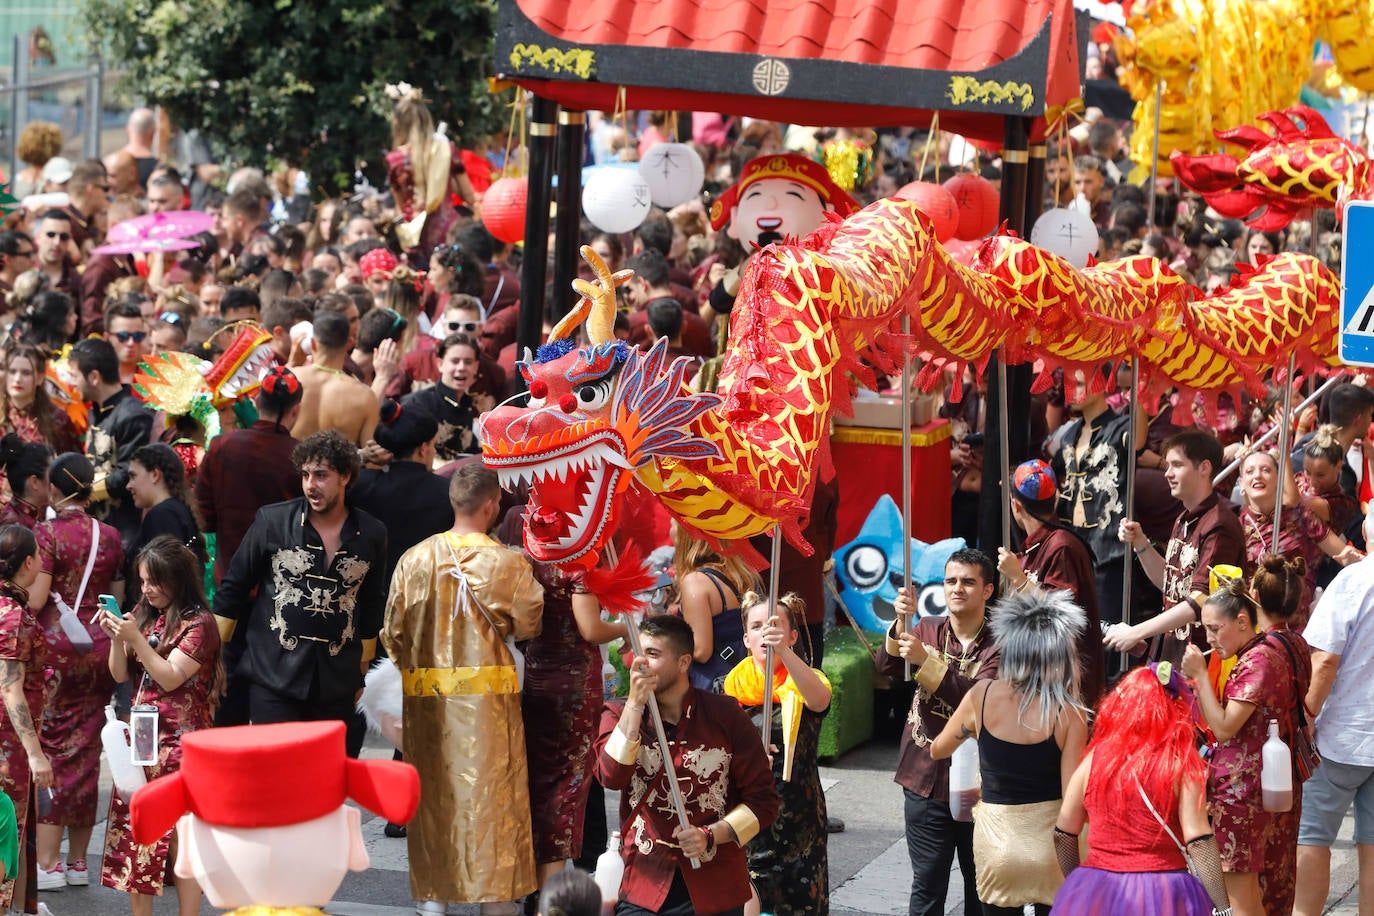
{"x": 594, "y": 395}
{"x": 866, "y": 566}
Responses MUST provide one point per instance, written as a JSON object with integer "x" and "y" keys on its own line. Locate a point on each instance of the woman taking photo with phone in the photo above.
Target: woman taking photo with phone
{"x": 169, "y": 647}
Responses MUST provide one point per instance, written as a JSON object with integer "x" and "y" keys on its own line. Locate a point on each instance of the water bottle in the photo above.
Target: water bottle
{"x": 1276, "y": 772}
{"x": 610, "y": 869}
{"x": 965, "y": 788}
{"x": 71, "y": 624}
{"x": 114, "y": 735}
{"x": 610, "y": 680}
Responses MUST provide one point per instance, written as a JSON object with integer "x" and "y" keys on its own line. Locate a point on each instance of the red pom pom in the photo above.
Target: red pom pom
{"x": 615, "y": 587}
{"x": 539, "y": 389}
{"x": 568, "y": 403}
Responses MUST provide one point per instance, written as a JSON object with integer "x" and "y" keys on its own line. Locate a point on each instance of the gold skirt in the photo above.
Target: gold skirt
{"x": 1013, "y": 851}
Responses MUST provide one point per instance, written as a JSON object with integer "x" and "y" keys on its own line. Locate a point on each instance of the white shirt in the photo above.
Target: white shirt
{"x": 1343, "y": 624}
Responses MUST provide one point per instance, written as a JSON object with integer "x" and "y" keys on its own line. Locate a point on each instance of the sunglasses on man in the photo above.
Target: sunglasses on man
{"x": 467, "y": 327}
{"x": 126, "y": 336}
{"x": 64, "y": 236}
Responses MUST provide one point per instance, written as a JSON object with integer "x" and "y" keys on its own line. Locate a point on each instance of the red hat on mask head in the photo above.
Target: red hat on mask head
{"x": 791, "y": 167}
{"x": 377, "y": 261}
{"x": 254, "y": 776}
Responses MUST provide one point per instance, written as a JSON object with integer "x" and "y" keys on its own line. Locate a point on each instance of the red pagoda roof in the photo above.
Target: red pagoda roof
{"x": 835, "y": 62}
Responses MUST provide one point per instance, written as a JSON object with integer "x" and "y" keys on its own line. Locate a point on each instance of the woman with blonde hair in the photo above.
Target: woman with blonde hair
{"x": 709, "y": 588}
{"x": 424, "y": 169}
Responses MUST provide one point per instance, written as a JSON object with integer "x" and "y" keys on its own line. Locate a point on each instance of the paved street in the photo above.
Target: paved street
{"x": 869, "y": 870}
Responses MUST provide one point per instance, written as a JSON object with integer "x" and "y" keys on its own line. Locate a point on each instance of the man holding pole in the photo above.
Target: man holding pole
{"x": 947, "y": 655}
{"x": 1208, "y": 533}
{"x": 725, "y": 779}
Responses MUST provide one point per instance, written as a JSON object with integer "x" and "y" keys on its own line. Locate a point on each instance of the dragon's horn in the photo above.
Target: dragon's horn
{"x": 597, "y": 303}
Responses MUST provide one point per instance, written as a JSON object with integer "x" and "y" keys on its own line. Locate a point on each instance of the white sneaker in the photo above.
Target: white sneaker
{"x": 77, "y": 876}
{"x": 52, "y": 879}
{"x": 431, "y": 908}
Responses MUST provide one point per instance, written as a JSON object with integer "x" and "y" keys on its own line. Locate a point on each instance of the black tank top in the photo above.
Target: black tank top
{"x": 1017, "y": 774}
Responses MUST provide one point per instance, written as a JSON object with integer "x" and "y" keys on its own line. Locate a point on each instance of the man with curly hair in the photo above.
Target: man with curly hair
{"x": 319, "y": 571}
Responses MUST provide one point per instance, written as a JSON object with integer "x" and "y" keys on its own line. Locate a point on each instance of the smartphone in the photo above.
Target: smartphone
{"x": 109, "y": 605}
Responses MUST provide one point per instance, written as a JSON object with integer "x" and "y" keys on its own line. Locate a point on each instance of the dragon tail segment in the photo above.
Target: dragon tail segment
{"x": 1226, "y": 340}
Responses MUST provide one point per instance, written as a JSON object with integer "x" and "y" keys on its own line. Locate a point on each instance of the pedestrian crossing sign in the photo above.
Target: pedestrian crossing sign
{"x": 1357, "y": 285}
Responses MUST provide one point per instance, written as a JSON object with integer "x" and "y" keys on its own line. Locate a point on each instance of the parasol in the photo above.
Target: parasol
{"x": 144, "y": 246}
{"x": 176, "y": 224}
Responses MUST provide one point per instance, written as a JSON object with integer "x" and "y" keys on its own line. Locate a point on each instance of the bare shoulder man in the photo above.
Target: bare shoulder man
{"x": 333, "y": 399}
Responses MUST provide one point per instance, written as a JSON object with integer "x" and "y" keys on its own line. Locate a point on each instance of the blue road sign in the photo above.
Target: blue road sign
{"x": 1357, "y": 285}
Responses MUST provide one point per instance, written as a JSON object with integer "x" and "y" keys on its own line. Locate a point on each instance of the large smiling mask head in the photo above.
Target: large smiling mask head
{"x": 778, "y": 197}
{"x": 595, "y": 414}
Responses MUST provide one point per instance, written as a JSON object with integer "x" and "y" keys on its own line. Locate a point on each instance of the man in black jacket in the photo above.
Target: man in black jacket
{"x": 319, "y": 570}
{"x": 120, "y": 425}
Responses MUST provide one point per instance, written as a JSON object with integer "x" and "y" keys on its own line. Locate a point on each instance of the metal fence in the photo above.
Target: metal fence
{"x": 71, "y": 97}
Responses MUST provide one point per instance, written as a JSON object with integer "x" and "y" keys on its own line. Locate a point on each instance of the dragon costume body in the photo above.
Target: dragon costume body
{"x": 741, "y": 461}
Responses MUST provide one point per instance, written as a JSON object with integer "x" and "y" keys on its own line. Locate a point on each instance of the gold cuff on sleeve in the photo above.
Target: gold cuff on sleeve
{"x": 622, "y": 750}
{"x": 744, "y": 823}
{"x": 891, "y": 646}
{"x": 932, "y": 671}
{"x": 226, "y": 627}
{"x": 369, "y": 650}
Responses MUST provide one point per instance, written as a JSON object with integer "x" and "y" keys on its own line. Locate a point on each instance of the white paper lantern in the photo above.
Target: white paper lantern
{"x": 1069, "y": 233}
{"x": 675, "y": 173}
{"x": 615, "y": 199}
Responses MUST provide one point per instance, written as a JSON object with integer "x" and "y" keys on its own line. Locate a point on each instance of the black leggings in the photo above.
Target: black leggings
{"x": 1041, "y": 909}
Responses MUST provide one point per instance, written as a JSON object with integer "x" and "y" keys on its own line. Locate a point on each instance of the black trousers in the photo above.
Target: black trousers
{"x": 267, "y": 707}
{"x": 1041, "y": 909}
{"x": 933, "y": 837}
{"x": 677, "y": 903}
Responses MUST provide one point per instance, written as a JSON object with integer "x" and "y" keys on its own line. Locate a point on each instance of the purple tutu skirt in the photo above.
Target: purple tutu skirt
{"x": 1094, "y": 892}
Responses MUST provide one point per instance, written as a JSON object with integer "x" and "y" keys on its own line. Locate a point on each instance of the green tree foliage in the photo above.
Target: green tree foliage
{"x": 303, "y": 80}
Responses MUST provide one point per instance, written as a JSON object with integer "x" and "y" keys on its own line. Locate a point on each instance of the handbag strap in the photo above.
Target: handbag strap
{"x": 1146, "y": 799}
{"x": 1293, "y": 666}
{"x": 90, "y": 564}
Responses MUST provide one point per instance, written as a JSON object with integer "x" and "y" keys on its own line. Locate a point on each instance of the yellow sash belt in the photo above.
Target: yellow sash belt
{"x": 464, "y": 682}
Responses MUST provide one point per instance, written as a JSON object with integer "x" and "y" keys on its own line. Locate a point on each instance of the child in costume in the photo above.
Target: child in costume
{"x": 787, "y": 861}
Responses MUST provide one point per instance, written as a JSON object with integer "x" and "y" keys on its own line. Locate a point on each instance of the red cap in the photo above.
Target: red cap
{"x": 271, "y": 776}
{"x": 378, "y": 260}
{"x": 791, "y": 167}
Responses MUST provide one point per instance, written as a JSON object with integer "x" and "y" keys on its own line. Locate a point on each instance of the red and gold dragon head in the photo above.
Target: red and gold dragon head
{"x": 596, "y": 414}
{"x": 180, "y": 384}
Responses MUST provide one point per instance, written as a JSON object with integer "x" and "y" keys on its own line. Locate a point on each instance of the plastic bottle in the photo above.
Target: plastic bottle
{"x": 965, "y": 787}
{"x": 1276, "y": 772}
{"x": 610, "y": 680}
{"x": 114, "y": 735}
{"x": 72, "y": 626}
{"x": 610, "y": 869}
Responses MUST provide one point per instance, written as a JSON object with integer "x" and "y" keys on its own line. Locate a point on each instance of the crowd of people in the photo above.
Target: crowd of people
{"x": 344, "y": 515}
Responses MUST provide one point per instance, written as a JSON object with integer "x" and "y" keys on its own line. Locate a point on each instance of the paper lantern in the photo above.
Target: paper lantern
{"x": 675, "y": 173}
{"x": 615, "y": 199}
{"x": 979, "y": 205}
{"x": 935, "y": 202}
{"x": 503, "y": 209}
{"x": 1067, "y": 232}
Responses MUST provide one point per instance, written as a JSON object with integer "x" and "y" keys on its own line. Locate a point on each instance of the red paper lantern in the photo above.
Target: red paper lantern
{"x": 979, "y": 205}
{"x": 935, "y": 202}
{"x": 503, "y": 209}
